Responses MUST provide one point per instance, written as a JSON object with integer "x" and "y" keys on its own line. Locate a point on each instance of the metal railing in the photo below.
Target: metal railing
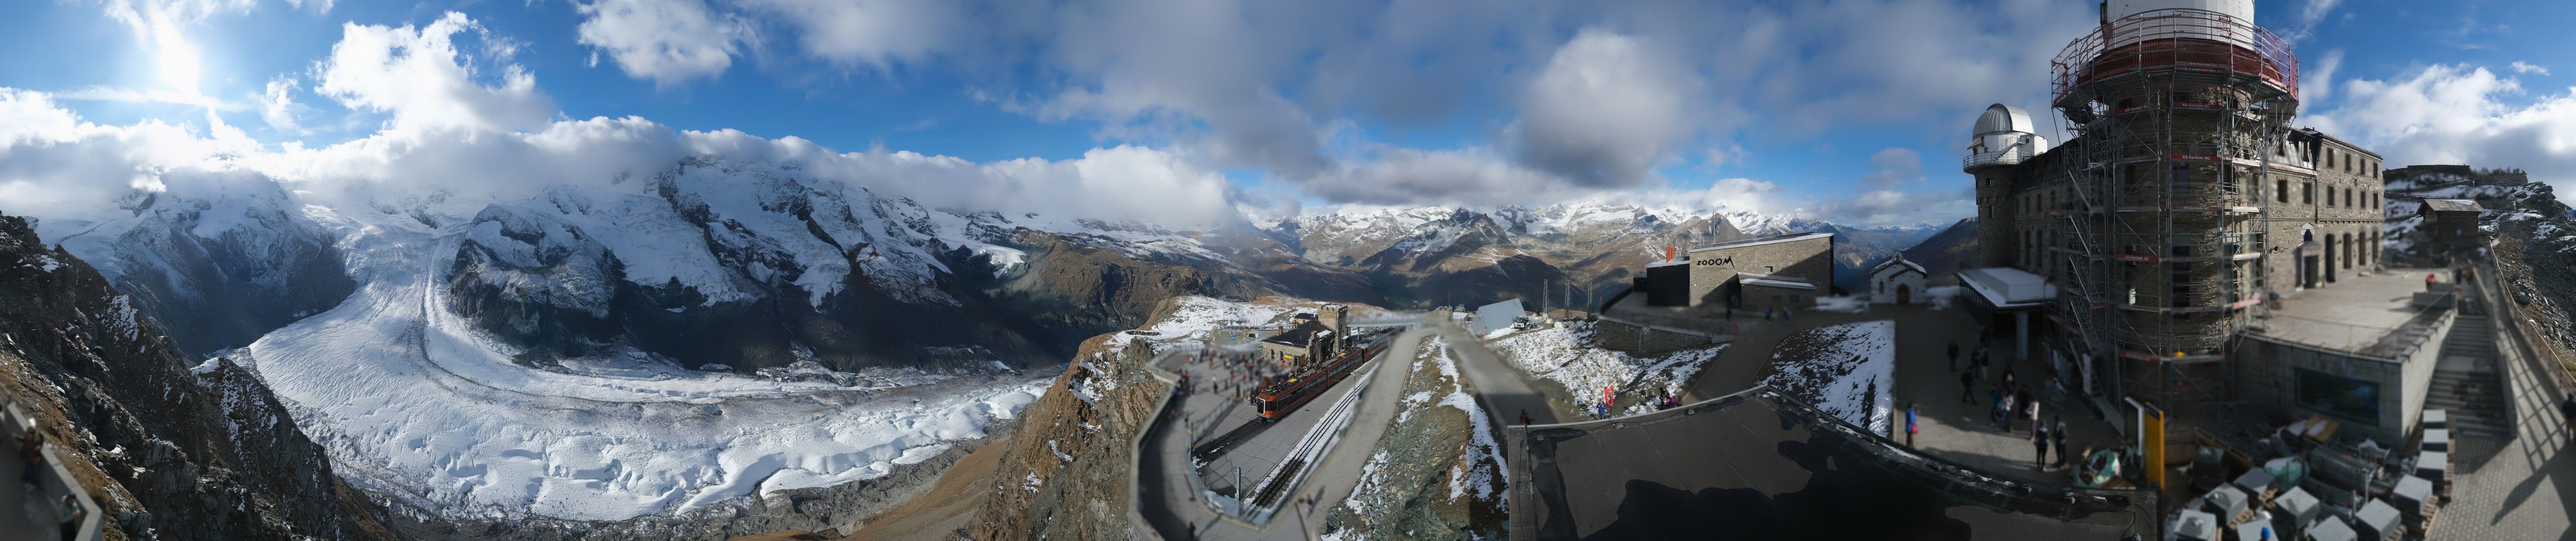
{"x": 1996, "y": 157}
{"x": 2501, "y": 307}
{"x": 2175, "y": 38}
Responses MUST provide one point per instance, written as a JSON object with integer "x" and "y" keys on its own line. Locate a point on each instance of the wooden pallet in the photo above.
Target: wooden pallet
{"x": 2242, "y": 517}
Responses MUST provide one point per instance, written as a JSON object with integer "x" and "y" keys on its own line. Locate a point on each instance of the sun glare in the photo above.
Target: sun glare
{"x": 176, "y": 61}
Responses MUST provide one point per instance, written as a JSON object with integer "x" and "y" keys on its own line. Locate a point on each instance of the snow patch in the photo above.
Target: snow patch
{"x": 1566, "y": 356}
{"x": 1846, "y": 370}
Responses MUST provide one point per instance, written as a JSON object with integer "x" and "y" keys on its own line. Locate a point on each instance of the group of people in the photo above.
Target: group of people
{"x": 1238, "y": 374}
{"x": 2009, "y": 403}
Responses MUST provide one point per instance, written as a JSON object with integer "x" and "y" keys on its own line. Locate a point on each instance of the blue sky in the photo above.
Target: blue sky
{"x": 1850, "y": 110}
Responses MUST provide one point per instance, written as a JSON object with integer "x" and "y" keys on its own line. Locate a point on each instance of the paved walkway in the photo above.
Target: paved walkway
{"x": 2525, "y": 488}
{"x": 1955, "y": 431}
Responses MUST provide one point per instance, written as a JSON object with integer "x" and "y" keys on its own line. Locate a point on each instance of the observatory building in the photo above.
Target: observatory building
{"x": 2138, "y": 255}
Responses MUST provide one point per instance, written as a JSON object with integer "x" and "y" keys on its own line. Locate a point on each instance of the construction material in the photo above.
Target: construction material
{"x": 2436, "y": 439}
{"x": 2341, "y": 469}
{"x": 2229, "y": 504}
{"x": 2195, "y": 525}
{"x": 2434, "y": 466}
{"x": 2297, "y": 505}
{"x": 2414, "y": 496}
{"x": 2331, "y": 529}
{"x": 2257, "y": 484}
{"x": 2377, "y": 521}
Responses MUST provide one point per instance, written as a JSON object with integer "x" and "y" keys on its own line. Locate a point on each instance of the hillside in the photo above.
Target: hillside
{"x": 1943, "y": 254}
{"x": 174, "y": 449}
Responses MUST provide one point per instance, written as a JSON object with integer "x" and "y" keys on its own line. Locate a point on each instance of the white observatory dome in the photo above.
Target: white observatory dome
{"x": 2003, "y": 118}
{"x": 2003, "y": 135}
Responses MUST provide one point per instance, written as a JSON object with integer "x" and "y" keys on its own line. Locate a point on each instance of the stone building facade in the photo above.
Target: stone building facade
{"x": 1779, "y": 271}
{"x": 2182, "y": 198}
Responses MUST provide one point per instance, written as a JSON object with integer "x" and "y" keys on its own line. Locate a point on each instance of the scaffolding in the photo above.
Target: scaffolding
{"x": 2174, "y": 113}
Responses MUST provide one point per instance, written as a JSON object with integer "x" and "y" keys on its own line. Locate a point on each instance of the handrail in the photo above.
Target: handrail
{"x": 2163, "y": 32}
{"x": 2491, "y": 292}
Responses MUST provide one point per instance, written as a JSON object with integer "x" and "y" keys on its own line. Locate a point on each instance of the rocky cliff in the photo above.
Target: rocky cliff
{"x": 171, "y": 450}
{"x": 2534, "y": 243}
{"x": 1064, "y": 475}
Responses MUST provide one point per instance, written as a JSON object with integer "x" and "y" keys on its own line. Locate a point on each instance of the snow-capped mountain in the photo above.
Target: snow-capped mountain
{"x": 657, "y": 344}
{"x": 1572, "y": 254}
{"x": 649, "y": 344}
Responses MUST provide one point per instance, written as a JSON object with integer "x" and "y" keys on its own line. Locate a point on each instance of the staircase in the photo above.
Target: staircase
{"x": 2467, "y": 383}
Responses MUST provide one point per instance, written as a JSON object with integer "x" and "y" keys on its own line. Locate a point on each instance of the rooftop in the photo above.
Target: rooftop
{"x": 1762, "y": 240}
{"x": 1771, "y": 468}
{"x": 2355, "y": 314}
{"x": 2006, "y": 287}
{"x": 1298, "y": 336}
{"x": 2452, "y": 205}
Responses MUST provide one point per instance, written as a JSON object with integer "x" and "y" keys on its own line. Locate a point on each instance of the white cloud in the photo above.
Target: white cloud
{"x": 667, "y": 41}
{"x": 2318, "y": 82}
{"x": 277, "y": 106}
{"x": 1474, "y": 176}
{"x": 875, "y": 33}
{"x": 2459, "y": 114}
{"x": 130, "y": 95}
{"x": 417, "y": 77}
{"x": 1891, "y": 166}
{"x": 2527, "y": 67}
{"x": 1605, "y": 110}
{"x": 2308, "y": 17}
{"x": 53, "y": 164}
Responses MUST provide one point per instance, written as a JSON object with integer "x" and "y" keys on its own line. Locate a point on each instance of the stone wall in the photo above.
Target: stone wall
{"x": 2268, "y": 375}
{"x": 1615, "y": 335}
{"x": 1808, "y": 259}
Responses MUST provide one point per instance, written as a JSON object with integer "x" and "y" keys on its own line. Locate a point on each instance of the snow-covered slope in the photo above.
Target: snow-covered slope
{"x": 418, "y": 403}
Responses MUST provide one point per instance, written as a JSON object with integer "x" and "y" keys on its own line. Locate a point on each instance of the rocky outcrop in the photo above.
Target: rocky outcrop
{"x": 171, "y": 450}
{"x": 2534, "y": 242}
{"x": 1065, "y": 475}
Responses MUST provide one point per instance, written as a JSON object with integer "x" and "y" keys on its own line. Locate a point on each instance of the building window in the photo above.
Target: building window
{"x": 2281, "y": 190}
{"x": 2308, "y": 193}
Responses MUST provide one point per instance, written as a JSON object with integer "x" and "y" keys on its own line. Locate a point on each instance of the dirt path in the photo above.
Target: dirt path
{"x": 937, "y": 513}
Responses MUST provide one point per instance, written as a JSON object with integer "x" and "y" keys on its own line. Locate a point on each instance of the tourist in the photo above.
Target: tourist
{"x": 1954, "y": 355}
{"x": 1909, "y": 424}
{"x": 2039, "y": 440}
{"x": 2032, "y": 405}
{"x": 32, "y": 449}
{"x": 2009, "y": 384}
{"x": 2059, "y": 431}
{"x": 1967, "y": 388}
{"x": 2567, "y": 414}
{"x": 2002, "y": 404}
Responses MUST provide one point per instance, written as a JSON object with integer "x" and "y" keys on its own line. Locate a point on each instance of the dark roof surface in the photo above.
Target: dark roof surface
{"x": 1756, "y": 465}
{"x": 2452, "y": 205}
{"x": 1298, "y": 336}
